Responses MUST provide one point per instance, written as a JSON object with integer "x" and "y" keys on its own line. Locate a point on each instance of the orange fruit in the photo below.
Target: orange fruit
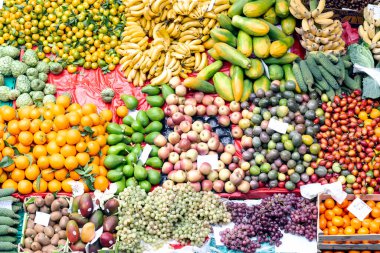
{"x": 9, "y": 183}
{"x": 122, "y": 111}
{"x": 333, "y": 230}
{"x": 46, "y": 126}
{"x": 39, "y": 138}
{"x": 329, "y": 203}
{"x": 57, "y": 161}
{"x": 363, "y": 115}
{"x": 61, "y": 122}
{"x": 86, "y": 188}
{"x": 102, "y": 171}
{"x": 8, "y": 113}
{"x": 40, "y": 186}
{"x": 53, "y": 148}
{"x": 349, "y": 230}
{"x": 11, "y": 139}
{"x": 329, "y": 214}
{"x": 337, "y": 210}
{"x": 346, "y": 221}
{"x": 363, "y": 231}
{"x": 93, "y": 148}
{"x": 101, "y": 140}
{"x": 63, "y": 100}
{"x": 86, "y": 121}
{"x": 68, "y": 150}
{"x": 24, "y": 124}
{"x": 66, "y": 187}
{"x": 48, "y": 115}
{"x": 9, "y": 168}
{"x": 71, "y": 163}
{"x": 374, "y": 227}
{"x": 34, "y": 113}
{"x": 95, "y": 119}
{"x": 105, "y": 116}
{"x": 60, "y": 139}
{"x": 83, "y": 158}
{"x": 51, "y": 136}
{"x": 54, "y": 186}
{"x": 13, "y": 127}
{"x": 74, "y": 107}
{"x": 8, "y": 151}
{"x": 25, "y": 187}
{"x": 101, "y": 183}
{"x": 74, "y": 175}
{"x": 3, "y": 177}
{"x": 356, "y": 223}
{"x": 61, "y": 174}
{"x": 87, "y": 109}
{"x": 375, "y": 213}
{"x": 21, "y": 162}
{"x": 58, "y": 110}
{"x": 371, "y": 203}
{"x": 73, "y": 136}
{"x": 24, "y": 112}
{"x": 337, "y": 221}
{"x": 17, "y": 175}
{"x": 322, "y": 222}
{"x": 32, "y": 172}
{"x": 81, "y": 146}
{"x": 74, "y": 118}
{"x": 322, "y": 208}
{"x": 22, "y": 148}
{"x": 25, "y": 138}
{"x": 43, "y": 162}
{"x": 47, "y": 174}
{"x": 95, "y": 169}
{"x": 375, "y": 113}
{"x": 366, "y": 223}
{"x": 39, "y": 150}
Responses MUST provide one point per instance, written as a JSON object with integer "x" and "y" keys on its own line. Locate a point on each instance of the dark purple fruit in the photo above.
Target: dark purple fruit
{"x": 78, "y": 246}
{"x": 110, "y": 223}
{"x": 107, "y": 239}
{"x": 94, "y": 248}
{"x": 86, "y": 205}
{"x": 111, "y": 206}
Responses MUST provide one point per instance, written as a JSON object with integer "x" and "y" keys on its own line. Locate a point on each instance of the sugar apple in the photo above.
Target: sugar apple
{"x": 31, "y": 78}
{"x": 43, "y": 77}
{"x": 5, "y": 65}
{"x": 107, "y": 95}
{"x": 55, "y": 68}
{"x": 18, "y": 68}
{"x": 37, "y": 85}
{"x": 4, "y": 93}
{"x": 1, "y": 80}
{"x": 32, "y": 72}
{"x": 30, "y": 58}
{"x": 13, "y": 94}
{"x": 37, "y": 96}
{"x": 11, "y": 51}
{"x": 24, "y": 100}
{"x": 50, "y": 89}
{"x": 49, "y": 99}
{"x": 43, "y": 67}
{"x": 23, "y": 84}
{"x": 2, "y": 51}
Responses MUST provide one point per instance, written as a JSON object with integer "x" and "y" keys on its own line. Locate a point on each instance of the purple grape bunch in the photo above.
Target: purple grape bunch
{"x": 263, "y": 223}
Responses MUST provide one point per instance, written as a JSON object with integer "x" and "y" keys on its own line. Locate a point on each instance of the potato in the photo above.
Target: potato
{"x": 48, "y": 249}
{"x": 64, "y": 202}
{"x": 39, "y": 202}
{"x": 30, "y": 232}
{"x": 32, "y": 216}
{"x": 65, "y": 211}
{"x": 51, "y": 223}
{"x": 45, "y": 209}
{"x": 54, "y": 240}
{"x": 49, "y": 231}
{"x": 57, "y": 228}
{"x": 49, "y": 198}
{"x": 39, "y": 228}
{"x": 30, "y": 224}
{"x": 63, "y": 222}
{"x": 32, "y": 208}
{"x": 28, "y": 242}
{"x": 61, "y": 242}
{"x": 35, "y": 246}
{"x": 62, "y": 234}
{"x": 42, "y": 239}
{"x": 38, "y": 251}
{"x": 55, "y": 206}
{"x": 29, "y": 251}
{"x": 55, "y": 216}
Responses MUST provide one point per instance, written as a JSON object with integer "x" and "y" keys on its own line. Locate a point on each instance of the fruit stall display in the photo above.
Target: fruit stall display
{"x": 127, "y": 126}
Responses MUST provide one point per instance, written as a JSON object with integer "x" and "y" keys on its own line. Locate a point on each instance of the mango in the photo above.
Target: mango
{"x": 78, "y": 246}
{"x": 111, "y": 206}
{"x": 72, "y": 231}
{"x": 107, "y": 239}
{"x": 97, "y": 219}
{"x": 85, "y": 205}
{"x": 88, "y": 232}
{"x": 79, "y": 219}
{"x": 110, "y": 223}
{"x": 75, "y": 206}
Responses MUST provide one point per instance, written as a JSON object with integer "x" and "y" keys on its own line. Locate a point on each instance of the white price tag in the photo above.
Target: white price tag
{"x": 133, "y": 113}
{"x": 77, "y": 187}
{"x": 6, "y": 204}
{"x": 42, "y": 219}
{"x": 266, "y": 69}
{"x": 310, "y": 191}
{"x": 211, "y": 159}
{"x": 375, "y": 9}
{"x": 98, "y": 233}
{"x": 1, "y": 4}
{"x": 336, "y": 192}
{"x": 278, "y": 126}
{"x": 211, "y": 5}
{"x": 218, "y": 229}
{"x": 359, "y": 209}
{"x": 145, "y": 153}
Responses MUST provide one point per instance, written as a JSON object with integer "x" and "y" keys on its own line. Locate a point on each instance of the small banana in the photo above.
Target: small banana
{"x": 376, "y": 38}
{"x": 324, "y": 21}
{"x": 202, "y": 64}
{"x": 198, "y": 58}
{"x": 305, "y": 25}
{"x": 219, "y": 9}
{"x": 163, "y": 78}
{"x": 321, "y": 6}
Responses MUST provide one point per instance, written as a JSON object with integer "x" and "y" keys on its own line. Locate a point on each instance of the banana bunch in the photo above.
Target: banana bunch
{"x": 319, "y": 31}
{"x": 368, "y": 15}
{"x": 163, "y": 39}
{"x": 369, "y": 31}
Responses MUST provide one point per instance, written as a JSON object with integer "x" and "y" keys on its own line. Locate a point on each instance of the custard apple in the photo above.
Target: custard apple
{"x": 18, "y": 68}
{"x": 50, "y": 89}
{"x": 32, "y": 72}
{"x": 4, "y": 93}
{"x": 37, "y": 96}
{"x": 43, "y": 77}
{"x": 107, "y": 95}
{"x": 49, "y": 99}
{"x": 13, "y": 94}
{"x": 30, "y": 58}
{"x": 24, "y": 100}
{"x": 55, "y": 68}
{"x": 43, "y": 67}
{"x": 37, "y": 85}
{"x": 5, "y": 66}
{"x": 12, "y": 52}
{"x": 23, "y": 84}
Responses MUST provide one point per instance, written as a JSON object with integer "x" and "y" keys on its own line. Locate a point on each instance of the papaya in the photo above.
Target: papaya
{"x": 287, "y": 58}
{"x": 247, "y": 90}
{"x": 226, "y": 23}
{"x": 262, "y": 83}
{"x": 223, "y": 86}
{"x": 232, "y": 55}
{"x": 261, "y": 46}
{"x": 209, "y": 43}
{"x": 237, "y": 7}
{"x": 288, "y": 25}
{"x": 212, "y": 52}
{"x": 275, "y": 72}
{"x": 199, "y": 85}
{"x": 256, "y": 70}
{"x": 210, "y": 70}
{"x": 252, "y": 26}
{"x": 274, "y": 32}
{"x": 244, "y": 43}
{"x": 257, "y": 8}
{"x": 223, "y": 35}
{"x": 288, "y": 40}
{"x": 278, "y": 48}
{"x": 271, "y": 17}
{"x": 237, "y": 78}
{"x": 282, "y": 8}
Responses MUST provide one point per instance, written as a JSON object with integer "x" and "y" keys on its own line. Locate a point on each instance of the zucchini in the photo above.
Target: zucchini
{"x": 6, "y": 192}
{"x": 329, "y": 78}
{"x": 10, "y": 198}
{"x": 8, "y": 221}
{"x": 7, "y": 246}
{"x": 306, "y": 73}
{"x": 8, "y": 213}
{"x": 327, "y": 64}
{"x": 7, "y": 238}
{"x": 298, "y": 75}
{"x": 313, "y": 67}
{"x": 342, "y": 70}
{"x": 6, "y": 230}
{"x": 333, "y": 58}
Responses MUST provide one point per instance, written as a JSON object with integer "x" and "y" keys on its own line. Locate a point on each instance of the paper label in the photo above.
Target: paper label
{"x": 133, "y": 113}
{"x": 218, "y": 229}
{"x": 372, "y": 72}
{"x": 359, "y": 208}
{"x": 266, "y": 69}
{"x": 211, "y": 5}
{"x": 42, "y": 219}
{"x": 375, "y": 9}
{"x": 1, "y": 4}
{"x": 77, "y": 187}
{"x": 211, "y": 159}
{"x": 336, "y": 191}
{"x": 6, "y": 204}
{"x": 145, "y": 153}
{"x": 98, "y": 233}
{"x": 278, "y": 126}
{"x": 310, "y": 191}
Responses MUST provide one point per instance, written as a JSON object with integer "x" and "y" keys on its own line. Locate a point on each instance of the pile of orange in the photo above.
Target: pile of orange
{"x": 44, "y": 148}
{"x": 335, "y": 219}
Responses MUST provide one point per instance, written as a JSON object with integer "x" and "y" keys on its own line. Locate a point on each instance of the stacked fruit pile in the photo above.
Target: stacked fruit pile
{"x": 44, "y": 149}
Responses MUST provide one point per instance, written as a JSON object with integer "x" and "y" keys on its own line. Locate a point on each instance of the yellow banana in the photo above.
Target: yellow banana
{"x": 305, "y": 25}
{"x": 323, "y": 21}
{"x": 198, "y": 59}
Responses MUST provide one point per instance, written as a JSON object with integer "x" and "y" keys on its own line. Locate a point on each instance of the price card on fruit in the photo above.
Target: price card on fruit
{"x": 6, "y": 204}
{"x": 77, "y": 187}
{"x": 211, "y": 159}
{"x": 278, "y": 126}
{"x": 359, "y": 208}
{"x": 42, "y": 219}
{"x": 133, "y": 113}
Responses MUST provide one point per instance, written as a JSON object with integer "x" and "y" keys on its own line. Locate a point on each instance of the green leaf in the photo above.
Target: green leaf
{"x": 371, "y": 88}
{"x": 39, "y": 181}
{"x": 80, "y": 172}
{"x": 89, "y": 183}
{"x": 29, "y": 201}
{"x": 6, "y": 161}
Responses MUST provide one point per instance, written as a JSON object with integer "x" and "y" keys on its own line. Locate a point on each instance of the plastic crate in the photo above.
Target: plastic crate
{"x": 11, "y": 83}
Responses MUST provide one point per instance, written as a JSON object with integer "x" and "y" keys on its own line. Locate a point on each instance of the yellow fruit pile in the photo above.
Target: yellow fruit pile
{"x": 44, "y": 149}
{"x": 80, "y": 33}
